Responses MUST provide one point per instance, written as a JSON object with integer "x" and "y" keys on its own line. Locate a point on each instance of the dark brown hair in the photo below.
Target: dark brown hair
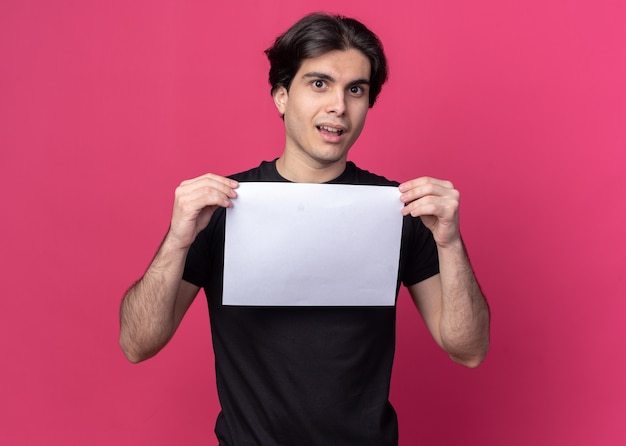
{"x": 317, "y": 34}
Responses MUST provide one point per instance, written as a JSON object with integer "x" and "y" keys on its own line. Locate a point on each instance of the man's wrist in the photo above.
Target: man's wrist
{"x": 454, "y": 245}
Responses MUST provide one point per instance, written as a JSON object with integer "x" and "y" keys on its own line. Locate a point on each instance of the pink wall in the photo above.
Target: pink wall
{"x": 106, "y": 106}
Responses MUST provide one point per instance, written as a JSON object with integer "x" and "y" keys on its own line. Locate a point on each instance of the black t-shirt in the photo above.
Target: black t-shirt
{"x": 304, "y": 375}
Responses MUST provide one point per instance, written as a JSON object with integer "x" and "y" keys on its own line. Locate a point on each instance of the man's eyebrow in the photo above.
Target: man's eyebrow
{"x": 360, "y": 82}
{"x": 318, "y": 75}
{"x": 328, "y": 77}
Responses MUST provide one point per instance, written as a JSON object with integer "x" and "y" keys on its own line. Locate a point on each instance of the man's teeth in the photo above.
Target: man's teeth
{"x": 330, "y": 129}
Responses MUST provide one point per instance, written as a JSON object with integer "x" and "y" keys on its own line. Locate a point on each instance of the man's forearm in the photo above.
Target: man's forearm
{"x": 147, "y": 312}
{"x": 465, "y": 315}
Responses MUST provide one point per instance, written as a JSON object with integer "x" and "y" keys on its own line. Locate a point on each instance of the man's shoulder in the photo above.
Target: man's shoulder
{"x": 266, "y": 171}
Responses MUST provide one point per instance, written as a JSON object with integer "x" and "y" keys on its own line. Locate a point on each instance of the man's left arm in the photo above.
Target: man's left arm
{"x": 450, "y": 302}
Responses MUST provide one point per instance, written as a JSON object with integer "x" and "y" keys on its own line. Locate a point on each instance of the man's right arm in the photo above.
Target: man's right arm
{"x": 154, "y": 306}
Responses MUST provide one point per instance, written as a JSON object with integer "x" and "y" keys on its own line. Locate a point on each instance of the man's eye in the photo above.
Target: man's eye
{"x": 356, "y": 90}
{"x": 319, "y": 84}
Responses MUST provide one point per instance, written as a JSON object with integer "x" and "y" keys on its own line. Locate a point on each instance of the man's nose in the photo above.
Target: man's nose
{"x": 337, "y": 103}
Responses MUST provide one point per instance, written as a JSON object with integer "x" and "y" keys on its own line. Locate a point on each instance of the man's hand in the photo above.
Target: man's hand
{"x": 195, "y": 202}
{"x": 451, "y": 302}
{"x": 154, "y": 306}
{"x": 436, "y": 202}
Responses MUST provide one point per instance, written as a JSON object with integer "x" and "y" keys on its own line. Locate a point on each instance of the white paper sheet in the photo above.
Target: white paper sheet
{"x": 297, "y": 244}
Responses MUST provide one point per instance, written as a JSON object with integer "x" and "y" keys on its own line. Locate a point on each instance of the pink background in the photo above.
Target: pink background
{"x": 106, "y": 106}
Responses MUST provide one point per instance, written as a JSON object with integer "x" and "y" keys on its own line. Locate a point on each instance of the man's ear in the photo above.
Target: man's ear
{"x": 280, "y": 95}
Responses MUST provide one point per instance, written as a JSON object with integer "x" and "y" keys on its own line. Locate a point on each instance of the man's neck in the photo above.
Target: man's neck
{"x": 300, "y": 172}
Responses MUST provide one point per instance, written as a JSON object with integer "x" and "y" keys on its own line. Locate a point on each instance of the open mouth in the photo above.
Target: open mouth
{"x": 330, "y": 130}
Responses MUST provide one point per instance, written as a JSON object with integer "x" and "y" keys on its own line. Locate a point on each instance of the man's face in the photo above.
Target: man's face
{"x": 325, "y": 107}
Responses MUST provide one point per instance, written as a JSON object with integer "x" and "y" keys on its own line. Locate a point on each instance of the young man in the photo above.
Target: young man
{"x": 310, "y": 375}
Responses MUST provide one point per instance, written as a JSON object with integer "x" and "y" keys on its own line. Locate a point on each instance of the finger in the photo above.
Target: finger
{"x": 218, "y": 181}
{"x": 417, "y": 208}
{"x": 443, "y": 208}
{"x": 202, "y": 197}
{"x": 424, "y": 181}
{"x": 444, "y": 190}
{"x": 206, "y": 182}
{"x": 194, "y": 196}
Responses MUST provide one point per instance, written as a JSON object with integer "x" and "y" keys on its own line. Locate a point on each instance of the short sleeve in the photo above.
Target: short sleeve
{"x": 206, "y": 254}
{"x": 418, "y": 256}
